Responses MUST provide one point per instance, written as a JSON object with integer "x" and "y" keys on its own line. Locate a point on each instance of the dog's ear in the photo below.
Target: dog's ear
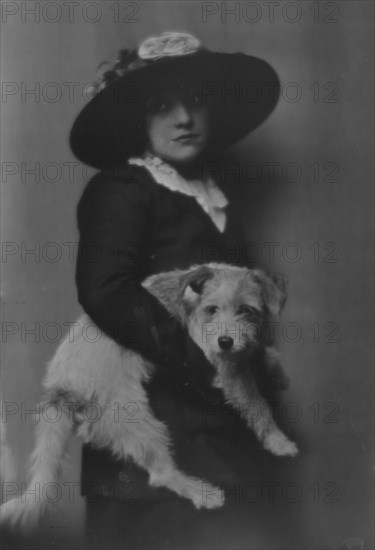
{"x": 195, "y": 280}
{"x": 275, "y": 290}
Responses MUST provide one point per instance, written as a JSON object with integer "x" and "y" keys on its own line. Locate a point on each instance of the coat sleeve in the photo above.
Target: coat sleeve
{"x": 114, "y": 221}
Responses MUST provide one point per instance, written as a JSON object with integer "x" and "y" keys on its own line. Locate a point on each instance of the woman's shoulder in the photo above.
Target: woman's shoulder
{"x": 124, "y": 174}
{"x": 120, "y": 180}
{"x": 121, "y": 189}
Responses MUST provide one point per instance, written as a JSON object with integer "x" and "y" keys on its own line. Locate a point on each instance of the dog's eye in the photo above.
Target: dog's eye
{"x": 244, "y": 309}
{"x": 211, "y": 309}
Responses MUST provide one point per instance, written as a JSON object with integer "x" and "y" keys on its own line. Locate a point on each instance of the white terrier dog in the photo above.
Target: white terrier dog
{"x": 213, "y": 302}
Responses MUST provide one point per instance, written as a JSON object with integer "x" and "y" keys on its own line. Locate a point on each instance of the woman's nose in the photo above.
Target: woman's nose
{"x": 182, "y": 114}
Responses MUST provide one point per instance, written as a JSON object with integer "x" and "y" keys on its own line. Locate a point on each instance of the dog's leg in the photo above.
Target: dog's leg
{"x": 242, "y": 392}
{"x": 146, "y": 440}
{"x": 164, "y": 473}
{"x": 52, "y": 438}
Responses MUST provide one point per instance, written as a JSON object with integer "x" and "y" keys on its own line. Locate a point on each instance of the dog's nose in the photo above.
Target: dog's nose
{"x": 225, "y": 342}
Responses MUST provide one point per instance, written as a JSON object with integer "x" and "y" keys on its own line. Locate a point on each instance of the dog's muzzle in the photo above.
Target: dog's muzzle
{"x": 225, "y": 342}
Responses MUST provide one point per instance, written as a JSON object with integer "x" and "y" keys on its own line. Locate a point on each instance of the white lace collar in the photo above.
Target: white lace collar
{"x": 208, "y": 195}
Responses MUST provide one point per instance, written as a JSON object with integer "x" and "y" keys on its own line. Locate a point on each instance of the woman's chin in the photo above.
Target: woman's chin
{"x": 184, "y": 155}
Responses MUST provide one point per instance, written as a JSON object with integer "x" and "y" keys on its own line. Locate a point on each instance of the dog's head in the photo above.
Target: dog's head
{"x": 226, "y": 307}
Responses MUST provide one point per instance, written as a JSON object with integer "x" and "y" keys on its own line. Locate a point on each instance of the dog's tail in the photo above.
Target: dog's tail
{"x": 7, "y": 461}
{"x": 52, "y": 439}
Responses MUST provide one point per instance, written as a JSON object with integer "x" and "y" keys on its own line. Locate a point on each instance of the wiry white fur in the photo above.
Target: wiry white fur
{"x": 7, "y": 459}
{"x": 106, "y": 375}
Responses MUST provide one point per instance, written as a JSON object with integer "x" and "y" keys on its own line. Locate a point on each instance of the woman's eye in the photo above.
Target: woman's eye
{"x": 158, "y": 105}
{"x": 194, "y": 98}
{"x": 211, "y": 309}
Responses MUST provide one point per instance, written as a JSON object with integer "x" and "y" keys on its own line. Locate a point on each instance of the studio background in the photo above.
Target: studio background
{"x": 326, "y": 214}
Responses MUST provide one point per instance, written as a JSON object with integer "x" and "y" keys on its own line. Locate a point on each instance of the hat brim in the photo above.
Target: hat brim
{"x": 240, "y": 89}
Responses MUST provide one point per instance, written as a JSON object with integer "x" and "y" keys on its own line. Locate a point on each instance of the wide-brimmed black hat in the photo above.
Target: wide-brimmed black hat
{"x": 241, "y": 91}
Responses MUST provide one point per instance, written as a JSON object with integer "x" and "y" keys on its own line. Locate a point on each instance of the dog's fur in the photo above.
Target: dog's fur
{"x": 7, "y": 459}
{"x": 214, "y": 302}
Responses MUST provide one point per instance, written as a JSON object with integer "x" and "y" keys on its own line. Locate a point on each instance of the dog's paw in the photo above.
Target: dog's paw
{"x": 278, "y": 444}
{"x": 211, "y": 497}
{"x": 199, "y": 492}
{"x": 203, "y": 494}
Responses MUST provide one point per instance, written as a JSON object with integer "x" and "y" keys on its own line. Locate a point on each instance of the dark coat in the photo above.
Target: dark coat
{"x": 137, "y": 227}
{"x": 131, "y": 227}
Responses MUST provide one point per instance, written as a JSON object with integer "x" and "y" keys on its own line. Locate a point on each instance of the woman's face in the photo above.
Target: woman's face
{"x": 177, "y": 126}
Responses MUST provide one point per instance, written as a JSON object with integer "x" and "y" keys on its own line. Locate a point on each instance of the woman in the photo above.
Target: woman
{"x": 162, "y": 115}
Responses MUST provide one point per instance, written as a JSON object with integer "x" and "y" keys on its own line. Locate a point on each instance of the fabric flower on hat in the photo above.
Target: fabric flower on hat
{"x": 168, "y": 44}
{"x": 108, "y": 75}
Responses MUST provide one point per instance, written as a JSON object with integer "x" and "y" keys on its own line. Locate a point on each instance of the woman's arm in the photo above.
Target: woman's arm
{"x": 115, "y": 220}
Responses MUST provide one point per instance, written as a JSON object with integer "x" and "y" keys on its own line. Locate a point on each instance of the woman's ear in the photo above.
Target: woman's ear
{"x": 194, "y": 281}
{"x": 275, "y": 290}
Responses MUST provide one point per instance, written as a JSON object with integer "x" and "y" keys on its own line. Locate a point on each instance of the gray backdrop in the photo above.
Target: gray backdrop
{"x": 311, "y": 207}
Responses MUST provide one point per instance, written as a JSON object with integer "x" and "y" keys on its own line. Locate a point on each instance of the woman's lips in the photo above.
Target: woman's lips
{"x": 186, "y": 138}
